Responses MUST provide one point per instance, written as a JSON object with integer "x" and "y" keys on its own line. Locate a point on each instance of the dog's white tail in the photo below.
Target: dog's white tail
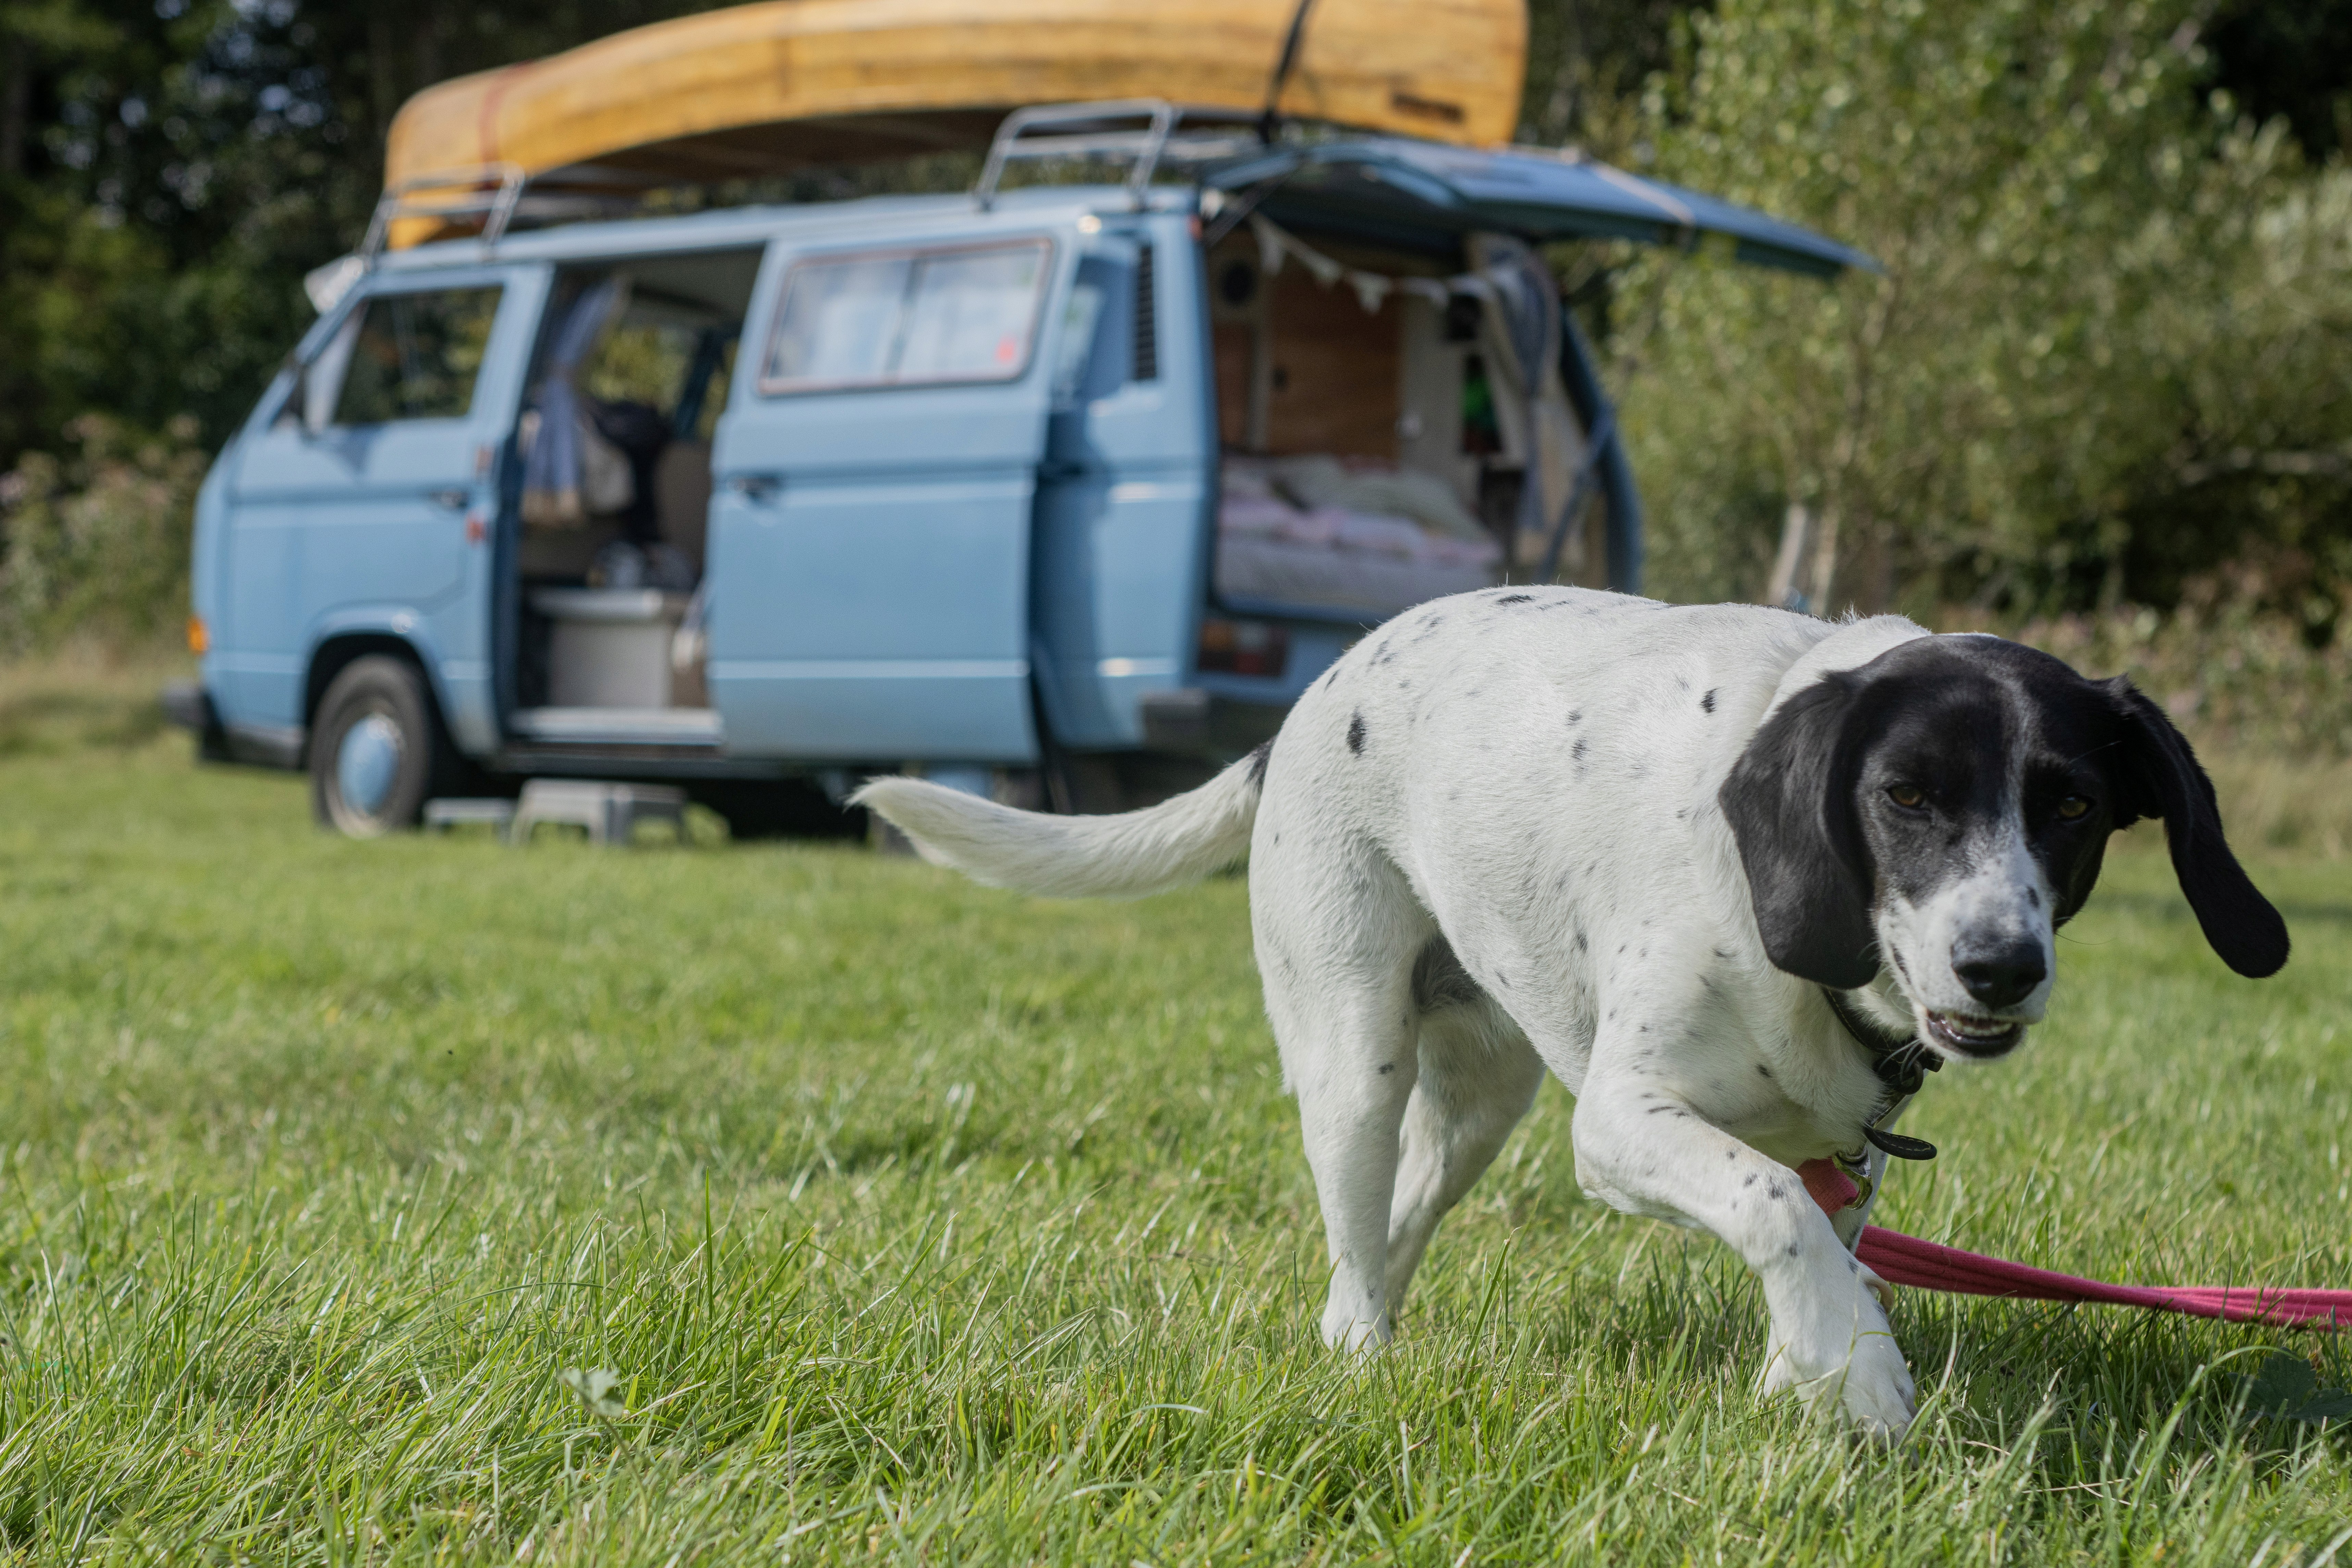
{"x": 1123, "y": 856}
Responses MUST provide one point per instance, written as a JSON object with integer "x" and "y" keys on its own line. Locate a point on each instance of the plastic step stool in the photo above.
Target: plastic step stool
{"x": 610, "y": 812}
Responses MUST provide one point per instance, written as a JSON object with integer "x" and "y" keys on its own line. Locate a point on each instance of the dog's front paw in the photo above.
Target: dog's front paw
{"x": 1354, "y": 1327}
{"x": 1843, "y": 1357}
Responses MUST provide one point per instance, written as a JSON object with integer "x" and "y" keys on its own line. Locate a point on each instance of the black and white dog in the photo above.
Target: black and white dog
{"x": 1715, "y": 867}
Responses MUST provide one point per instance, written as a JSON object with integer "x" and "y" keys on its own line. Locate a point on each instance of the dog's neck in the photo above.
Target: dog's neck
{"x": 1900, "y": 1058}
{"x": 1846, "y": 645}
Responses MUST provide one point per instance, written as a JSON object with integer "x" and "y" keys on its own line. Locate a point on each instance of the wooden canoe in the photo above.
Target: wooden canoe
{"x": 764, "y": 89}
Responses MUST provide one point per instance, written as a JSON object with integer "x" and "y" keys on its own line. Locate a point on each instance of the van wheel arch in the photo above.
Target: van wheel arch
{"x": 385, "y": 675}
{"x": 335, "y": 655}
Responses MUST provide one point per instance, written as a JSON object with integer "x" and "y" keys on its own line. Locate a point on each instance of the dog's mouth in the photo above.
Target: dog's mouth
{"x": 1974, "y": 1034}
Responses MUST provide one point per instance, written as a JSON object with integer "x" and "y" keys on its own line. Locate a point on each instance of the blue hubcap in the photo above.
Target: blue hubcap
{"x": 367, "y": 762}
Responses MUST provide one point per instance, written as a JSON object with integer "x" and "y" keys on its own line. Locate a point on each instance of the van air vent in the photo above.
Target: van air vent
{"x": 1146, "y": 320}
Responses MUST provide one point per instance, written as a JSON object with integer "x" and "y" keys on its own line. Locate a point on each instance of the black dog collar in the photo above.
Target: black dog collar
{"x": 1902, "y": 1061}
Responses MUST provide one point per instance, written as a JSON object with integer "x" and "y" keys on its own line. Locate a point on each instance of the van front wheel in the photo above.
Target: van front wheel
{"x": 374, "y": 748}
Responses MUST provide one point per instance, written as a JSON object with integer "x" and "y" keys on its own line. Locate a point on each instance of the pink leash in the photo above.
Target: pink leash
{"x": 1906, "y": 1260}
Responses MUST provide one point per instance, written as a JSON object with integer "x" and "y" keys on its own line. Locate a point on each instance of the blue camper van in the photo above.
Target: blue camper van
{"x": 1057, "y": 491}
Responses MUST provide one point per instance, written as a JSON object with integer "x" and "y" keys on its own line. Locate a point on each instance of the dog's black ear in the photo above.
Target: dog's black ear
{"x": 1790, "y": 801}
{"x": 2159, "y": 776}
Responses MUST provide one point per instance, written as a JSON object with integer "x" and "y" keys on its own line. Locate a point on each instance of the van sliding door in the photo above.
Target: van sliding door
{"x": 876, "y": 473}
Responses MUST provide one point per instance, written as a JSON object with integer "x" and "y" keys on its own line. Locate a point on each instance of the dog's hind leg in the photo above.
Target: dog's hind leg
{"x": 1478, "y": 1076}
{"x": 1336, "y": 932}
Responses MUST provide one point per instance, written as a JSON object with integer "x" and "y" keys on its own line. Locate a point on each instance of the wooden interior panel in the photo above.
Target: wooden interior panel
{"x": 1231, "y": 342}
{"x": 1336, "y": 371}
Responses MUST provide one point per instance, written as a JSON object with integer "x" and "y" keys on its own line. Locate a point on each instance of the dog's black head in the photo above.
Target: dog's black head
{"x": 1944, "y": 809}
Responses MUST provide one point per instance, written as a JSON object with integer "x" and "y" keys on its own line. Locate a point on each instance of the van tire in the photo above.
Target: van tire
{"x": 377, "y": 749}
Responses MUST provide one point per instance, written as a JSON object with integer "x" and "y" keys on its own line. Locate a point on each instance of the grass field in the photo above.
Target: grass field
{"x": 423, "y": 1200}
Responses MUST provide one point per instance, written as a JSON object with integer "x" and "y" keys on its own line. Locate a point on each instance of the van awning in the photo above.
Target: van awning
{"x": 1422, "y": 196}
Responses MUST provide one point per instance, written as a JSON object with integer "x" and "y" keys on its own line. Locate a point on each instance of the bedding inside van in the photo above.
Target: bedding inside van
{"x": 1359, "y": 536}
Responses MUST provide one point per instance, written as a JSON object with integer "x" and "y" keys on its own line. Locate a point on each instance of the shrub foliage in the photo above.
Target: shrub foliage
{"x": 96, "y": 543}
{"x": 2101, "y": 359}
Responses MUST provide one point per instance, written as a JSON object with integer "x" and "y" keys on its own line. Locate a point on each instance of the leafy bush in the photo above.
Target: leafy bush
{"x": 95, "y": 546}
{"x": 2104, "y": 357}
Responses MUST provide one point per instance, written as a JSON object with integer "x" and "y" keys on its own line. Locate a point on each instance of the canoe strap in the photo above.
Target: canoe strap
{"x": 1271, "y": 120}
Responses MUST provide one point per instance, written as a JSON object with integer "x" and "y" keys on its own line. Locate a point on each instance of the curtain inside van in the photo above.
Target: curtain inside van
{"x": 1521, "y": 338}
{"x": 558, "y": 490}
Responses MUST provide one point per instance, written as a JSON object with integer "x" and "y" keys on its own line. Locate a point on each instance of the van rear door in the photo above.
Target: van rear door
{"x": 876, "y": 474}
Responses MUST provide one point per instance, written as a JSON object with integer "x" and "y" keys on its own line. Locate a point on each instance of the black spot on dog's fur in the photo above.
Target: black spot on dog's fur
{"x": 1356, "y": 734}
{"x": 1750, "y": 1181}
{"x": 1258, "y": 757}
{"x": 1763, "y": 1071}
{"x": 1386, "y": 1068}
{"x": 1517, "y": 599}
{"x": 1706, "y": 703}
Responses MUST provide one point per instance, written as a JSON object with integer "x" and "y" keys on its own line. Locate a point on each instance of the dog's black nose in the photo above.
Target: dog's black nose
{"x": 2000, "y": 975}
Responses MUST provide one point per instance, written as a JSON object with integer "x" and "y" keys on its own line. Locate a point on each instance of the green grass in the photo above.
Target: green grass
{"x": 915, "y": 1220}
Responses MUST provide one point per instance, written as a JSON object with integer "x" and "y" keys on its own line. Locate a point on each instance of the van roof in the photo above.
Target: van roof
{"x": 1414, "y": 194}
{"x": 745, "y": 226}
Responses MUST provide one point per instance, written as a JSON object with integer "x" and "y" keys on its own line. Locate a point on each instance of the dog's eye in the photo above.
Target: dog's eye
{"x": 1910, "y": 797}
{"x": 2074, "y": 808}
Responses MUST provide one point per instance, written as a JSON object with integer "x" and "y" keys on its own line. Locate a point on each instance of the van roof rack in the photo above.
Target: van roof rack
{"x": 1144, "y": 133}
{"x": 497, "y": 193}
{"x": 494, "y": 191}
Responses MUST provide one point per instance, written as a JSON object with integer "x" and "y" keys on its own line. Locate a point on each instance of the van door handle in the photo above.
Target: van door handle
{"x": 756, "y": 487}
{"x": 455, "y": 500}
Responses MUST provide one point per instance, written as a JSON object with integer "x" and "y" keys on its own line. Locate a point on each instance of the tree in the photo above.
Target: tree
{"x": 2086, "y": 268}
{"x": 169, "y": 169}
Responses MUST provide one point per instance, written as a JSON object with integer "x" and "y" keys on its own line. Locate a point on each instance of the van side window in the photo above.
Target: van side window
{"x": 908, "y": 319}
{"x": 416, "y": 356}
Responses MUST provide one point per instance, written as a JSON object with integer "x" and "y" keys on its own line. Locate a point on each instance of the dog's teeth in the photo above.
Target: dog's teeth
{"x": 1976, "y": 1031}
